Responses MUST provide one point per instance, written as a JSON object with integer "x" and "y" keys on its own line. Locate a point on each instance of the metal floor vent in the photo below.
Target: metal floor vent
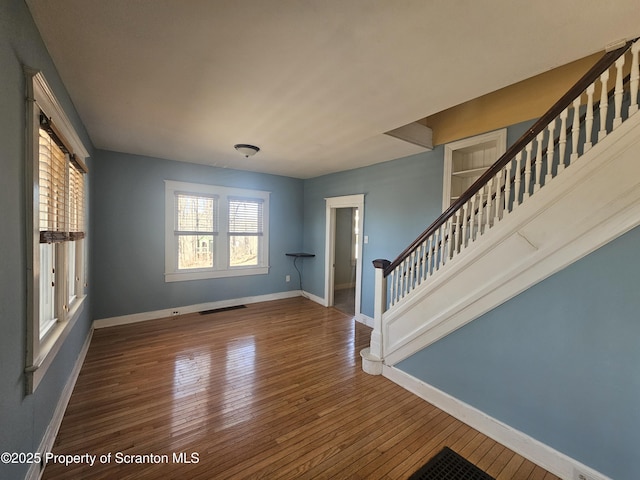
{"x": 448, "y": 465}
{"x": 223, "y": 309}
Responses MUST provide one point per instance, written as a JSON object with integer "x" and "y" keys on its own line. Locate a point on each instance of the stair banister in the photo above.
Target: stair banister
{"x": 539, "y": 126}
{"x": 526, "y": 167}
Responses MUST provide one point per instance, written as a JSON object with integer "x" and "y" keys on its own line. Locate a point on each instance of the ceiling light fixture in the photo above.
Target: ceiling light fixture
{"x": 246, "y": 150}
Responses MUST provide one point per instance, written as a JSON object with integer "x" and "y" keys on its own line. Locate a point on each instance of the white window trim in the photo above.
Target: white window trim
{"x": 172, "y": 274}
{"x": 41, "y": 352}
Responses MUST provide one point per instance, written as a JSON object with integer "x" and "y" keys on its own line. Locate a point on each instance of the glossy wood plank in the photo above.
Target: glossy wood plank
{"x": 274, "y": 390}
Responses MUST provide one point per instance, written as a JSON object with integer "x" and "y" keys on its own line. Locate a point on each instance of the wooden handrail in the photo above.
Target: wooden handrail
{"x": 587, "y": 79}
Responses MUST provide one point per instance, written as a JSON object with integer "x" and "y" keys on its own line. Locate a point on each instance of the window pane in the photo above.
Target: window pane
{"x": 195, "y": 251}
{"x": 195, "y": 213}
{"x": 245, "y": 215}
{"x": 47, "y": 290}
{"x": 243, "y": 250}
{"x": 52, "y": 185}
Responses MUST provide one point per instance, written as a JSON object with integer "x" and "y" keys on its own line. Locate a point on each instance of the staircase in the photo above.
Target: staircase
{"x": 568, "y": 186}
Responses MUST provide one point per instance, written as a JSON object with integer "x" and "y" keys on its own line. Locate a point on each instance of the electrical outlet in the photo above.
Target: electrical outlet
{"x": 175, "y": 312}
{"x": 287, "y": 278}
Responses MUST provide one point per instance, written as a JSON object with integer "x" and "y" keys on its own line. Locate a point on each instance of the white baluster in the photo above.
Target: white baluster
{"x": 405, "y": 277}
{"x": 498, "y": 194}
{"x": 411, "y": 274}
{"x": 562, "y": 142}
{"x": 423, "y": 262}
{"x": 507, "y": 186}
{"x": 398, "y": 282}
{"x": 489, "y": 200}
{"x": 445, "y": 241}
{"x": 575, "y": 131}
{"x": 480, "y": 210}
{"x": 618, "y": 92}
{"x": 549, "y": 175}
{"x": 634, "y": 78}
{"x": 465, "y": 225}
{"x": 440, "y": 248}
{"x": 454, "y": 232}
{"x": 604, "y": 104}
{"x": 538, "y": 180}
{"x": 449, "y": 235}
{"x": 589, "y": 118}
{"x": 472, "y": 219}
{"x": 427, "y": 270}
{"x": 527, "y": 171}
{"x": 392, "y": 288}
{"x": 516, "y": 186}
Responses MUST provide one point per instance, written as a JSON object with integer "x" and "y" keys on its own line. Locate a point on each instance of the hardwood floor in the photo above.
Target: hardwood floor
{"x": 274, "y": 391}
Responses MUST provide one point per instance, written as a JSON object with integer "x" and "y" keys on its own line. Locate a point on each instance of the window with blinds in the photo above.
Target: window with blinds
{"x": 214, "y": 231}
{"x": 61, "y": 199}
{"x": 61, "y": 190}
{"x": 53, "y": 189}
{"x": 55, "y": 168}
{"x": 246, "y": 223}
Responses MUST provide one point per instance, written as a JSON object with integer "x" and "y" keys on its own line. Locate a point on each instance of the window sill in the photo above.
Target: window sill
{"x": 51, "y": 345}
{"x": 203, "y": 275}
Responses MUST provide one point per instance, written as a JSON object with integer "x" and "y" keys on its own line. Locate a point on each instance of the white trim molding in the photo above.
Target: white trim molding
{"x": 333, "y": 203}
{"x": 40, "y": 352}
{"x": 365, "y": 320}
{"x": 220, "y": 267}
{"x": 539, "y": 453}
{"x": 46, "y": 445}
{"x": 176, "y": 311}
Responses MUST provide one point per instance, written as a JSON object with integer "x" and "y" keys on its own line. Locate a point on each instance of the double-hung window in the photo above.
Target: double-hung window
{"x": 214, "y": 231}
{"x": 56, "y": 203}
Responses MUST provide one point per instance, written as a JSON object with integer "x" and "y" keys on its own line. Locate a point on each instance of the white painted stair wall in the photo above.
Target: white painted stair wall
{"x": 593, "y": 201}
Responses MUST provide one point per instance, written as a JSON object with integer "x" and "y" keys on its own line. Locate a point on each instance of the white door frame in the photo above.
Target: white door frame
{"x": 333, "y": 203}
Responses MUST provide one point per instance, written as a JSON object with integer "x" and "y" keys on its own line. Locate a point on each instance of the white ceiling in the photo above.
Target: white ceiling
{"x": 313, "y": 83}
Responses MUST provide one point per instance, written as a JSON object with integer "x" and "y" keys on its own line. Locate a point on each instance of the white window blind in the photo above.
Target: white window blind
{"x": 76, "y": 201}
{"x": 53, "y": 188}
{"x": 61, "y": 190}
{"x": 246, "y": 216}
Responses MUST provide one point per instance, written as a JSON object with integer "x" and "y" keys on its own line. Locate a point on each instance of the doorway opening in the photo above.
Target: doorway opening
{"x": 343, "y": 268}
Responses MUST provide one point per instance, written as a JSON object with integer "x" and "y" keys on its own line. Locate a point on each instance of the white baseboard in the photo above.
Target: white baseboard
{"x": 168, "y": 312}
{"x": 365, "y": 319}
{"x": 46, "y": 445}
{"x": 539, "y": 453}
{"x": 315, "y": 298}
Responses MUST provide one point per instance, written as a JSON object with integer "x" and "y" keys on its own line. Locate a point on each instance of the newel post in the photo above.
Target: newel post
{"x": 373, "y": 356}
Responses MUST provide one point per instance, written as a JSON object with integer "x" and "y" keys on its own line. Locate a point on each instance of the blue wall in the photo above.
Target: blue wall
{"x": 128, "y": 240}
{"x": 402, "y": 198}
{"x": 24, "y": 419}
{"x": 559, "y": 361}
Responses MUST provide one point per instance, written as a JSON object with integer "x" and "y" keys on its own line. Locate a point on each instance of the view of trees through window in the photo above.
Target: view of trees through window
{"x": 195, "y": 218}
{"x": 245, "y": 228}
{"x": 243, "y": 250}
{"x": 197, "y": 230}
